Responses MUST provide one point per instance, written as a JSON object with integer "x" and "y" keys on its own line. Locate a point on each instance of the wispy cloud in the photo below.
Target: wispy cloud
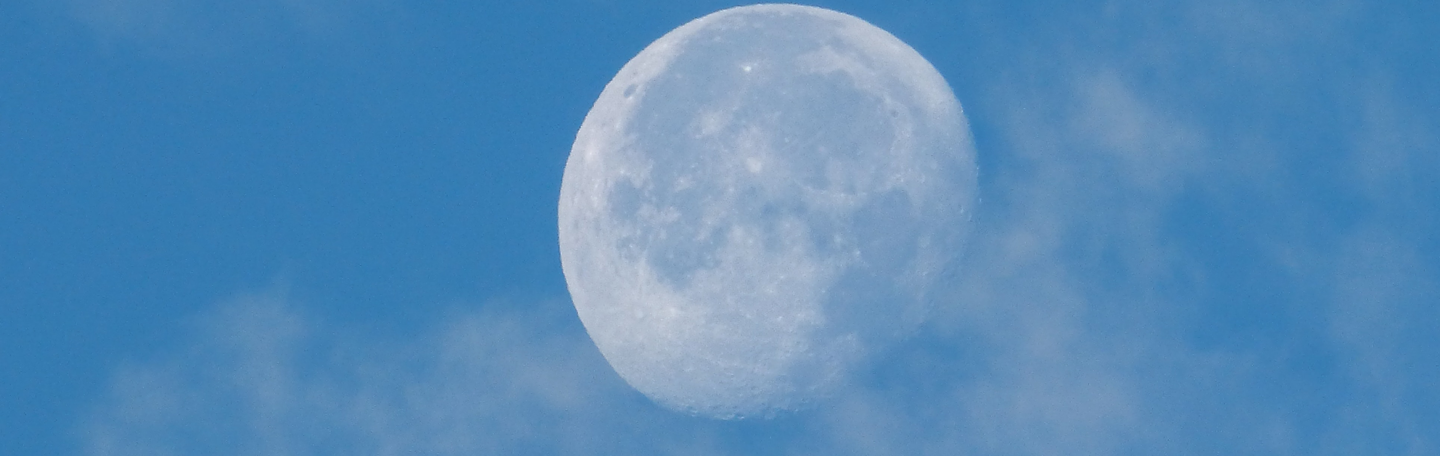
{"x": 1144, "y": 278}
{"x": 260, "y": 378}
{"x": 1027, "y": 361}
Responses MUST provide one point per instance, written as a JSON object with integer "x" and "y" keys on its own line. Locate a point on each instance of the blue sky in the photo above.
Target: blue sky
{"x": 328, "y": 227}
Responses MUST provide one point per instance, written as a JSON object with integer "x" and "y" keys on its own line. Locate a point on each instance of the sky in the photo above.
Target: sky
{"x": 329, "y": 227}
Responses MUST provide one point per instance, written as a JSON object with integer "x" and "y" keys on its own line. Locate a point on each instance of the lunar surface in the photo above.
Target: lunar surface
{"x": 758, "y": 203}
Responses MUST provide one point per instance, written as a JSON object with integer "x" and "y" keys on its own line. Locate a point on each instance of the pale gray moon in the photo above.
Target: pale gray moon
{"x": 759, "y": 202}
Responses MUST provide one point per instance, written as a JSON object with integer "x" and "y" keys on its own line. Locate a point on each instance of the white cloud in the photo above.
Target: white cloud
{"x": 1062, "y": 338}
{"x": 1071, "y": 331}
{"x": 258, "y": 378}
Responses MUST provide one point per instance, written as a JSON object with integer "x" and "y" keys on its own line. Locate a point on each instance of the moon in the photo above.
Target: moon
{"x": 760, "y": 202}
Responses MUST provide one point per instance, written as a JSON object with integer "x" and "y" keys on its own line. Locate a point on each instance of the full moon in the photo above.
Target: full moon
{"x": 760, "y": 202}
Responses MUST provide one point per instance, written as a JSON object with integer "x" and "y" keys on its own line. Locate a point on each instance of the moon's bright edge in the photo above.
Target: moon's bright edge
{"x": 758, "y": 202}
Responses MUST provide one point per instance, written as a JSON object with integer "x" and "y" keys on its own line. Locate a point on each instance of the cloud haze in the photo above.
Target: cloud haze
{"x": 1155, "y": 269}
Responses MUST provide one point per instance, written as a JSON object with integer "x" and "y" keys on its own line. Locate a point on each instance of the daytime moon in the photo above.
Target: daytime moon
{"x": 758, "y": 203}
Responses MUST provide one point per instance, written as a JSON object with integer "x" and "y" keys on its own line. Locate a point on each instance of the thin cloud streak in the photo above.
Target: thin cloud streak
{"x": 259, "y": 378}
